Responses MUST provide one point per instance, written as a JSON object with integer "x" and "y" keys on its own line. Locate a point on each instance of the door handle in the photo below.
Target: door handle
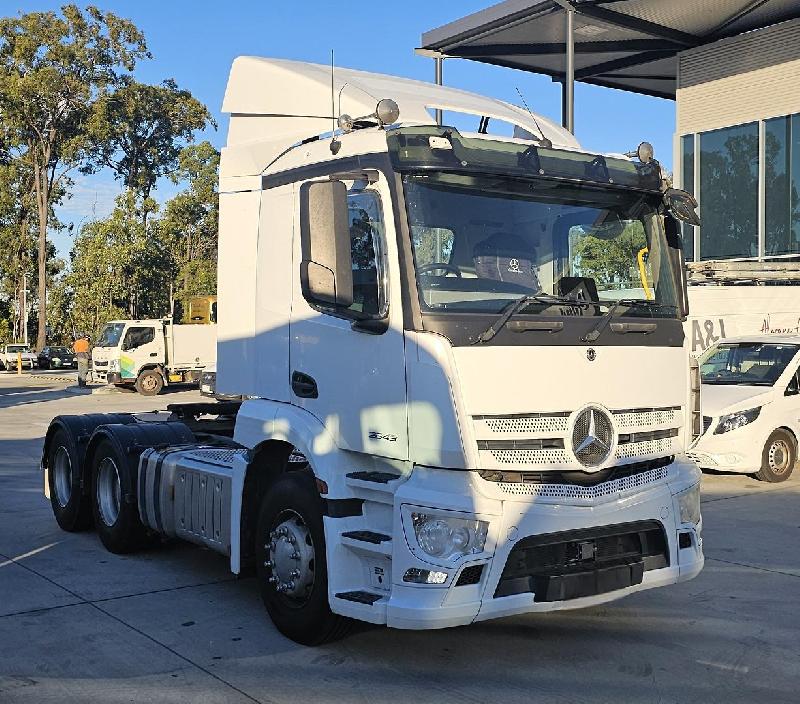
{"x": 641, "y": 328}
{"x": 304, "y": 385}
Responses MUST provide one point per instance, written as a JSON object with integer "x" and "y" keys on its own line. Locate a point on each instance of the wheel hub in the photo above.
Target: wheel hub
{"x": 290, "y": 557}
{"x": 62, "y": 476}
{"x": 109, "y": 491}
{"x": 779, "y": 456}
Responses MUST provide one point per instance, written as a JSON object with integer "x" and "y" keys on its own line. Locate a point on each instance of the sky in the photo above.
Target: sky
{"x": 195, "y": 41}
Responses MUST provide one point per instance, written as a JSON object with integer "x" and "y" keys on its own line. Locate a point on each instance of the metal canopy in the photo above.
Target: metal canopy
{"x": 627, "y": 44}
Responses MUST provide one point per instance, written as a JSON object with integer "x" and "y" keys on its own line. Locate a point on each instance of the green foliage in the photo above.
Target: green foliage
{"x": 140, "y": 129}
{"x": 611, "y": 262}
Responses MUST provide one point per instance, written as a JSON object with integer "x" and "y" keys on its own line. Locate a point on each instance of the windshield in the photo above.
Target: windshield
{"x": 110, "y": 335}
{"x": 59, "y": 350}
{"x": 17, "y": 348}
{"x": 746, "y": 363}
{"x": 481, "y": 242}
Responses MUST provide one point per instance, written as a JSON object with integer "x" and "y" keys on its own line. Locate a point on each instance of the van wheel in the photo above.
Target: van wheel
{"x": 116, "y": 516}
{"x": 778, "y": 458}
{"x": 290, "y": 558}
{"x": 72, "y": 509}
{"x": 149, "y": 383}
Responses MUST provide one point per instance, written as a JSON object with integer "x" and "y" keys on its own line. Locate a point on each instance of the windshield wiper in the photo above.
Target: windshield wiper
{"x": 516, "y": 306}
{"x": 600, "y": 325}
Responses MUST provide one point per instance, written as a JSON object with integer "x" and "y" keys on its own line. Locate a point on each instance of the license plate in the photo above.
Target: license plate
{"x": 206, "y": 388}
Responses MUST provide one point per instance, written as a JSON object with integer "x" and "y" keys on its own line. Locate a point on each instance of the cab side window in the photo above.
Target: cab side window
{"x": 136, "y": 337}
{"x": 365, "y": 216}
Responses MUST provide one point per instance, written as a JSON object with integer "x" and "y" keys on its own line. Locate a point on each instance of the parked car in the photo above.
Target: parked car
{"x": 56, "y": 358}
{"x": 751, "y": 406}
{"x": 8, "y": 356}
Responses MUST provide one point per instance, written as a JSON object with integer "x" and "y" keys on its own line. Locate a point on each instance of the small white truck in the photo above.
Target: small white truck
{"x": 467, "y": 394}
{"x": 12, "y": 352}
{"x": 149, "y": 354}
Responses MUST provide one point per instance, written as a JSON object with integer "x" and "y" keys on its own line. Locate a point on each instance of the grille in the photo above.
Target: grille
{"x": 585, "y": 562}
{"x": 534, "y": 423}
{"x": 535, "y": 457}
{"x": 215, "y": 456}
{"x": 470, "y": 575}
{"x": 645, "y": 447}
{"x": 644, "y": 418}
{"x": 592, "y": 437}
{"x": 585, "y": 493}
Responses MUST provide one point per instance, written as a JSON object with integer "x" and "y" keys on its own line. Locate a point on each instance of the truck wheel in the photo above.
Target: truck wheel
{"x": 73, "y": 510}
{"x": 292, "y": 569}
{"x": 149, "y": 383}
{"x": 115, "y": 515}
{"x": 778, "y": 458}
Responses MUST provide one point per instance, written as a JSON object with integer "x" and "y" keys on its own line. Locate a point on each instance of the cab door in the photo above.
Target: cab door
{"x": 350, "y": 374}
{"x": 141, "y": 345}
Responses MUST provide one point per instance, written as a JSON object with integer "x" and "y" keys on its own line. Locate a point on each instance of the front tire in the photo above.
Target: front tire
{"x": 116, "y": 514}
{"x": 778, "y": 458}
{"x": 291, "y": 563}
{"x": 149, "y": 383}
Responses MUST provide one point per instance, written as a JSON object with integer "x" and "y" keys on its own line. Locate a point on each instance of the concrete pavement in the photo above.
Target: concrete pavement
{"x": 78, "y": 624}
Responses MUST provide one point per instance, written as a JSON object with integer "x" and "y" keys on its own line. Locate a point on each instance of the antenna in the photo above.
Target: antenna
{"x": 545, "y": 142}
{"x": 335, "y": 143}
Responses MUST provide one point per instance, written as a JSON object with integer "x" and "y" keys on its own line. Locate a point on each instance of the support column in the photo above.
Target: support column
{"x": 568, "y": 86}
{"x": 438, "y": 62}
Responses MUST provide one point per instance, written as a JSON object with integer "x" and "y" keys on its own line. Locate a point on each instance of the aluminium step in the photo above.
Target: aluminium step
{"x": 374, "y": 486}
{"x": 368, "y": 541}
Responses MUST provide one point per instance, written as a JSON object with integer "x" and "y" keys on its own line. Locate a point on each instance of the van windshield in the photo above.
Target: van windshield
{"x": 111, "y": 335}
{"x": 481, "y": 242}
{"x": 746, "y": 363}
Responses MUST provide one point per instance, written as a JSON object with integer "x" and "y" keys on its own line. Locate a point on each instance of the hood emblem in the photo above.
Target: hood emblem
{"x": 592, "y": 437}
{"x": 591, "y": 355}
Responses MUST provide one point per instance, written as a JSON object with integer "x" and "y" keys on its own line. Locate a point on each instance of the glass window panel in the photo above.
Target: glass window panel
{"x": 782, "y": 180}
{"x": 729, "y": 191}
{"x": 687, "y": 179}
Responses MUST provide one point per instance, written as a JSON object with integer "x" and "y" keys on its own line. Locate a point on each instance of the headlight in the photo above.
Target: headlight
{"x": 736, "y": 420}
{"x": 113, "y": 365}
{"x": 449, "y": 538}
{"x": 689, "y": 503}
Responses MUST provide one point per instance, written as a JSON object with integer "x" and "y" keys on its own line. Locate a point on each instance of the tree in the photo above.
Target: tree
{"x": 52, "y": 71}
{"x": 140, "y": 130}
{"x": 191, "y": 220}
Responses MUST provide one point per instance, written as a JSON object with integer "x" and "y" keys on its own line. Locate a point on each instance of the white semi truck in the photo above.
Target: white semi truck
{"x": 150, "y": 354}
{"x": 465, "y": 397}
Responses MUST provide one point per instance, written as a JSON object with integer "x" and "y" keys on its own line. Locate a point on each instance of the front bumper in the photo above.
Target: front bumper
{"x": 453, "y": 604}
{"x": 737, "y": 451}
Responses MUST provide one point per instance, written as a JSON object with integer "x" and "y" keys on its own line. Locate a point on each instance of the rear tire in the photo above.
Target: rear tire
{"x": 72, "y": 509}
{"x": 302, "y": 613}
{"x": 149, "y": 383}
{"x": 778, "y": 458}
{"x": 116, "y": 514}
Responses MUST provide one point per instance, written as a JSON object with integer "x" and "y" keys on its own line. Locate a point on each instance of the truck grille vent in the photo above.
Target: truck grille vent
{"x": 586, "y": 493}
{"x": 644, "y": 417}
{"x": 532, "y": 423}
{"x": 645, "y": 447}
{"x": 470, "y": 575}
{"x": 530, "y": 457}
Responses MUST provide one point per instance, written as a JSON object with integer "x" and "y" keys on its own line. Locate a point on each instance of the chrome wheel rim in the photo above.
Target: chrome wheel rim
{"x": 109, "y": 491}
{"x": 290, "y": 559}
{"x": 62, "y": 476}
{"x": 778, "y": 456}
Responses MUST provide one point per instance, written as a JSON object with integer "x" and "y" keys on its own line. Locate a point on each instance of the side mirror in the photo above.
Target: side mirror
{"x": 326, "y": 269}
{"x": 794, "y": 387}
{"x": 675, "y": 243}
{"x": 682, "y": 205}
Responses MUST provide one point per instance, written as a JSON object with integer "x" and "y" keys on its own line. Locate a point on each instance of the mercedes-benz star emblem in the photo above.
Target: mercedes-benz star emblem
{"x": 592, "y": 437}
